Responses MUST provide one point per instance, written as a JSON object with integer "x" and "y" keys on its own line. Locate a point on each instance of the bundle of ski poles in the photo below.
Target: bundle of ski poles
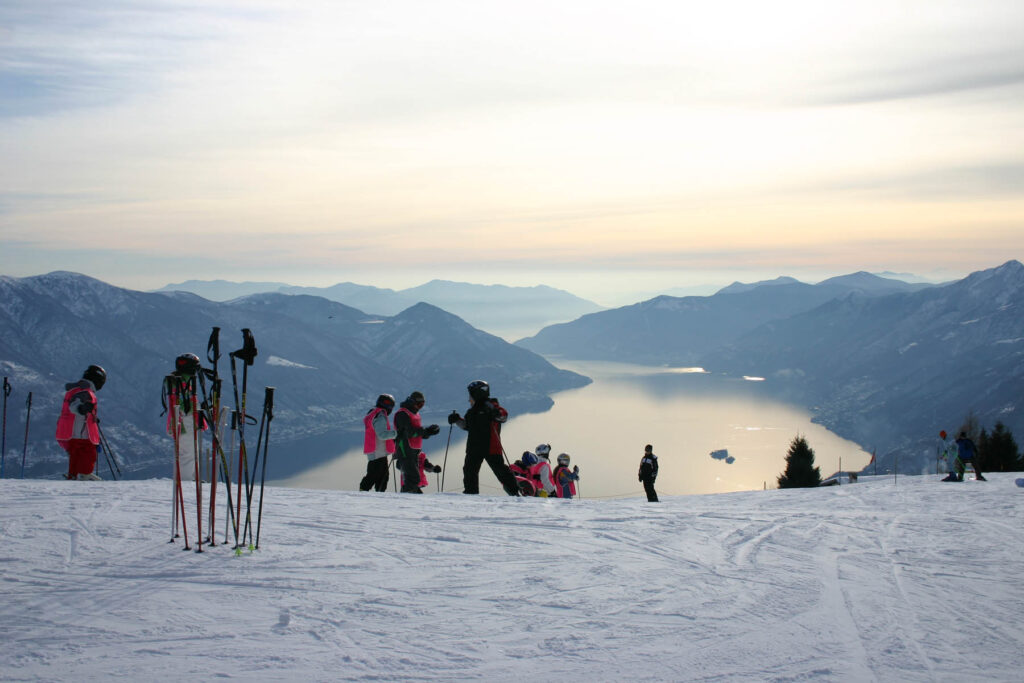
{"x": 189, "y": 418}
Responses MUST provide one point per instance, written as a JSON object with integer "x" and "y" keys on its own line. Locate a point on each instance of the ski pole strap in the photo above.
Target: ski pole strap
{"x": 213, "y": 346}
{"x": 268, "y": 402}
{"x": 248, "y": 351}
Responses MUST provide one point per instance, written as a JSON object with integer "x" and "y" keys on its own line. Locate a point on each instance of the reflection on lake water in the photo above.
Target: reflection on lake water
{"x": 685, "y": 413}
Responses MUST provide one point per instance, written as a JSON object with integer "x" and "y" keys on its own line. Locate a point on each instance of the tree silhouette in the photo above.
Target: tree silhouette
{"x": 998, "y": 450}
{"x": 800, "y": 470}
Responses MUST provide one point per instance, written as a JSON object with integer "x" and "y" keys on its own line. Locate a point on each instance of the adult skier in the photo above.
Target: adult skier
{"x": 77, "y": 427}
{"x": 483, "y": 423}
{"x": 967, "y": 452}
{"x": 649, "y": 472}
{"x": 378, "y": 444}
{"x": 409, "y": 440}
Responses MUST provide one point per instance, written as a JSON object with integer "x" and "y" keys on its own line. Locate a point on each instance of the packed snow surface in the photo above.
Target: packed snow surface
{"x": 915, "y": 580}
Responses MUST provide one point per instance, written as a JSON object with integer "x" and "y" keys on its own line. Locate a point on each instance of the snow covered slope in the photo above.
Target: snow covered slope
{"x": 913, "y": 581}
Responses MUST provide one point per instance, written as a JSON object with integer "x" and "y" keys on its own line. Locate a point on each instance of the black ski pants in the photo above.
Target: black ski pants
{"x": 471, "y": 473}
{"x": 376, "y": 475}
{"x": 652, "y": 496}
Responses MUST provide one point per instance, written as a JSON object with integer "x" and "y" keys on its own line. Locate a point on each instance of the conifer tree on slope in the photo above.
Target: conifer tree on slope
{"x": 800, "y": 470}
{"x": 998, "y": 450}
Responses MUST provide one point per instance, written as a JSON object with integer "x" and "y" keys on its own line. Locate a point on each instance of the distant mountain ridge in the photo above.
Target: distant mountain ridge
{"x": 499, "y": 309}
{"x": 327, "y": 361}
{"x": 681, "y": 330}
{"x": 892, "y": 371}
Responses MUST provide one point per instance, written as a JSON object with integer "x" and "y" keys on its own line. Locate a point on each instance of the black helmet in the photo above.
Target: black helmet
{"x": 386, "y": 401}
{"x": 417, "y": 397}
{"x": 96, "y": 375}
{"x": 479, "y": 390}
{"x": 186, "y": 364}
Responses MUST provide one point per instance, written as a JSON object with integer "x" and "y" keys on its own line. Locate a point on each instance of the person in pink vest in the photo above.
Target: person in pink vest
{"x": 78, "y": 430}
{"x": 565, "y": 479}
{"x": 409, "y": 440}
{"x": 378, "y": 444}
{"x": 542, "y": 472}
{"x": 422, "y": 467}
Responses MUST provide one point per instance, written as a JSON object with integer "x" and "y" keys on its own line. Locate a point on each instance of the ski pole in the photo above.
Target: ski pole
{"x": 213, "y": 355}
{"x": 28, "y": 416}
{"x": 3, "y": 441}
{"x": 108, "y": 450}
{"x": 197, "y": 448}
{"x": 175, "y": 388}
{"x": 251, "y": 483}
{"x": 268, "y": 403}
{"x": 445, "y": 467}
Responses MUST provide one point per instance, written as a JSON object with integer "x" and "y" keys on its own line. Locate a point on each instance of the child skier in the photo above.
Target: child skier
{"x": 565, "y": 480}
{"x": 423, "y": 466}
{"x": 78, "y": 430}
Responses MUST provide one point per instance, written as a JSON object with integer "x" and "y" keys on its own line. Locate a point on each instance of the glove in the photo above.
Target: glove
{"x": 437, "y": 468}
{"x": 431, "y": 430}
{"x": 576, "y": 469}
{"x": 86, "y": 407}
{"x": 453, "y": 418}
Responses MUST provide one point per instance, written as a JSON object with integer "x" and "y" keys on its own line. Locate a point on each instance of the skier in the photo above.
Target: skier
{"x": 78, "y": 427}
{"x": 422, "y": 467}
{"x": 649, "y": 472}
{"x": 186, "y": 366}
{"x": 483, "y": 423}
{"x": 521, "y": 471}
{"x": 565, "y": 479}
{"x": 378, "y": 444}
{"x": 409, "y": 440}
{"x": 967, "y": 452}
{"x": 542, "y": 474}
{"x": 948, "y": 451}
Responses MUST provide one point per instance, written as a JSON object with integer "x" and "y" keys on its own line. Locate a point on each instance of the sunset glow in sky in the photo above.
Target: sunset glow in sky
{"x": 605, "y": 148}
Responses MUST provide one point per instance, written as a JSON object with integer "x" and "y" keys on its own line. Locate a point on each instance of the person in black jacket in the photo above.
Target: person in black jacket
{"x": 409, "y": 441}
{"x": 483, "y": 423}
{"x": 649, "y": 472}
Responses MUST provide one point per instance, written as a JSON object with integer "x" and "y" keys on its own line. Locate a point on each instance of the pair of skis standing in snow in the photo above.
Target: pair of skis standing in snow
{"x": 189, "y": 417}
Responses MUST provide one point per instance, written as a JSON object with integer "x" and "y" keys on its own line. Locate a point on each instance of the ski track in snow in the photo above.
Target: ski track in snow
{"x": 868, "y": 582}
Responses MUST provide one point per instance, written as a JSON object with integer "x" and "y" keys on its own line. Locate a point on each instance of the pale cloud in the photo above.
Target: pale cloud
{"x": 324, "y": 134}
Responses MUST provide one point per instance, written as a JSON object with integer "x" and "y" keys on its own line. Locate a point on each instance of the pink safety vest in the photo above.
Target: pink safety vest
{"x": 417, "y": 422}
{"x": 537, "y": 472}
{"x": 370, "y": 437}
{"x": 66, "y": 421}
{"x": 558, "y": 482}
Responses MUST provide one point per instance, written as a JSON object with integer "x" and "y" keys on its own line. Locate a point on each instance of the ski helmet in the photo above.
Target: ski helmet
{"x": 417, "y": 397}
{"x": 543, "y": 450}
{"x": 563, "y": 459}
{"x": 96, "y": 375}
{"x": 386, "y": 401}
{"x": 479, "y": 390}
{"x": 186, "y": 364}
{"x": 529, "y": 459}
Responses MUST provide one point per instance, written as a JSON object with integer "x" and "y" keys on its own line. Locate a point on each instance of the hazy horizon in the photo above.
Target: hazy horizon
{"x": 610, "y": 150}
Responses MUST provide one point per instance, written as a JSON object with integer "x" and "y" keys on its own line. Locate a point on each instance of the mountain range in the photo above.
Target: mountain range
{"x": 509, "y": 312}
{"x": 681, "y": 330}
{"x": 885, "y": 363}
{"x": 327, "y": 361}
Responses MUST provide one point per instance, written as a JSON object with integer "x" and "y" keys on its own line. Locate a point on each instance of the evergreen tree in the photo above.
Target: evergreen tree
{"x": 800, "y": 470}
{"x": 999, "y": 452}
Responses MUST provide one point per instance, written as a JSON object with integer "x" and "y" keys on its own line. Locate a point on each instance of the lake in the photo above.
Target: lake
{"x": 685, "y": 413}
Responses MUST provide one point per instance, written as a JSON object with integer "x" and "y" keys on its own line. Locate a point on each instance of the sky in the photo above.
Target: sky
{"x": 604, "y": 148}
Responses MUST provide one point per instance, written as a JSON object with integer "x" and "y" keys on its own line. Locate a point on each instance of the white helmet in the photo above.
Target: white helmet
{"x": 543, "y": 450}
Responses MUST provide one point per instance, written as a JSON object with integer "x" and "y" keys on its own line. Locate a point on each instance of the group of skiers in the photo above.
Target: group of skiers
{"x": 958, "y": 454}
{"x": 482, "y": 422}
